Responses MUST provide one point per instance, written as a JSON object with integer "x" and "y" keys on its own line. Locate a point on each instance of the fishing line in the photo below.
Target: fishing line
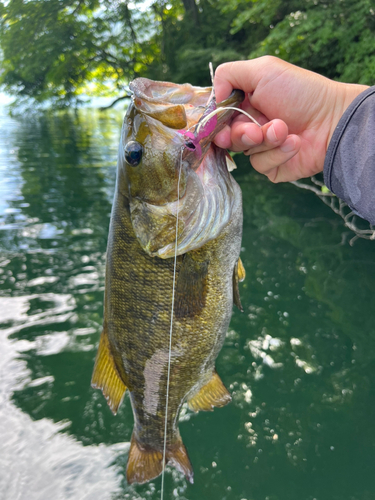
{"x": 217, "y": 110}
{"x": 170, "y": 330}
{"x": 224, "y": 108}
{"x": 203, "y": 122}
{"x": 212, "y": 74}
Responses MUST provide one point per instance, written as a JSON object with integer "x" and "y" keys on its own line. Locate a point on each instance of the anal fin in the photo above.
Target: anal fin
{"x": 105, "y": 375}
{"x": 146, "y": 463}
{"x": 213, "y": 394}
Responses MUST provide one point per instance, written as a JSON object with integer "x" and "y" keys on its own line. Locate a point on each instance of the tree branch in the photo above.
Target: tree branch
{"x": 315, "y": 190}
{"x": 191, "y": 9}
{"x": 77, "y": 8}
{"x": 126, "y": 96}
{"x": 340, "y": 208}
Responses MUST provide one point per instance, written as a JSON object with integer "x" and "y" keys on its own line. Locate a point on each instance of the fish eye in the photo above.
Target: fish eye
{"x": 133, "y": 153}
{"x": 190, "y": 145}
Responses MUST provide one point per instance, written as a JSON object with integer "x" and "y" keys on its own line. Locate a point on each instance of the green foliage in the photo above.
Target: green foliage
{"x": 57, "y": 50}
{"x": 189, "y": 41}
{"x": 52, "y": 49}
{"x": 334, "y": 38}
{"x": 193, "y": 63}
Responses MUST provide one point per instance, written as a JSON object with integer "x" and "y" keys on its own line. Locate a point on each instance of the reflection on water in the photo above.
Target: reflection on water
{"x": 37, "y": 459}
{"x": 299, "y": 361}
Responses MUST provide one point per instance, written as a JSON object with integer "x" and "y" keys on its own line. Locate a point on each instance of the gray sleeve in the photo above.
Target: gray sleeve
{"x": 349, "y": 167}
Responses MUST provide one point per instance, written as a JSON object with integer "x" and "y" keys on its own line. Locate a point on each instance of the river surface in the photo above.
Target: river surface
{"x": 299, "y": 362}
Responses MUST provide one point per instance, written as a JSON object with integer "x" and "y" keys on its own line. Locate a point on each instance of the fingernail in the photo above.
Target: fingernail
{"x": 247, "y": 141}
{"x": 271, "y": 134}
{"x": 288, "y": 145}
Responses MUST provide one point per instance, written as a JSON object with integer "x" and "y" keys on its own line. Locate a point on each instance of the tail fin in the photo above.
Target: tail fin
{"x": 145, "y": 463}
{"x": 178, "y": 457}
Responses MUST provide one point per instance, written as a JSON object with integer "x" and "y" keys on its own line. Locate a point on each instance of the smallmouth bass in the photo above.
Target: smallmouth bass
{"x": 166, "y": 148}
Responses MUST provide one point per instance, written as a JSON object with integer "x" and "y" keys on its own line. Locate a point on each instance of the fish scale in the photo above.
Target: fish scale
{"x": 138, "y": 296}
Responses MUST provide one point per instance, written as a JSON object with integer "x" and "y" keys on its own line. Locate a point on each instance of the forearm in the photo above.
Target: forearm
{"x": 349, "y": 168}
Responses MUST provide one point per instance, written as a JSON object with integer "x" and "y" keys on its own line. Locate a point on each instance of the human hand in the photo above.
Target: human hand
{"x": 298, "y": 111}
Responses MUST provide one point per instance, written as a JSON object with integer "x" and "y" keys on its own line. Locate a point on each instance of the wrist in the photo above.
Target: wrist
{"x": 344, "y": 93}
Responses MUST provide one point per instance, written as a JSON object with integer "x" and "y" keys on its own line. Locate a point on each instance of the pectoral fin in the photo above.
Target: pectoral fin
{"x": 240, "y": 270}
{"x": 213, "y": 394}
{"x": 238, "y": 276}
{"x": 105, "y": 375}
{"x": 191, "y": 287}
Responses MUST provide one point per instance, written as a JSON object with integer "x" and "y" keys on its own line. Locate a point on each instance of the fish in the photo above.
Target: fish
{"x": 175, "y": 199}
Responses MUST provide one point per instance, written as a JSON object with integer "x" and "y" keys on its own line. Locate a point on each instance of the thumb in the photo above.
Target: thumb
{"x": 241, "y": 75}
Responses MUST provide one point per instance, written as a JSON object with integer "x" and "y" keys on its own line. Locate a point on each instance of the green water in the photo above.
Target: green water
{"x": 300, "y": 361}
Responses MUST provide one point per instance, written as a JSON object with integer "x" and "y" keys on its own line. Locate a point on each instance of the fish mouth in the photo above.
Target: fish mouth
{"x": 213, "y": 120}
{"x": 183, "y": 107}
{"x": 192, "y": 112}
{"x": 205, "y": 206}
{"x": 175, "y": 106}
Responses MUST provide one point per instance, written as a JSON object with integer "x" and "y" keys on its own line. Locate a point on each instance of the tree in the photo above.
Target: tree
{"x": 334, "y": 38}
{"x": 57, "y": 50}
{"x": 191, "y": 38}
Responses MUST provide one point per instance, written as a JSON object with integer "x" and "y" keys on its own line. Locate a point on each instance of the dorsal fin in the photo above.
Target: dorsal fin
{"x": 213, "y": 394}
{"x": 106, "y": 377}
{"x": 238, "y": 275}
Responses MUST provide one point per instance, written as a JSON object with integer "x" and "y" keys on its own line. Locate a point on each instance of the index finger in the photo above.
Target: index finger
{"x": 235, "y": 75}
